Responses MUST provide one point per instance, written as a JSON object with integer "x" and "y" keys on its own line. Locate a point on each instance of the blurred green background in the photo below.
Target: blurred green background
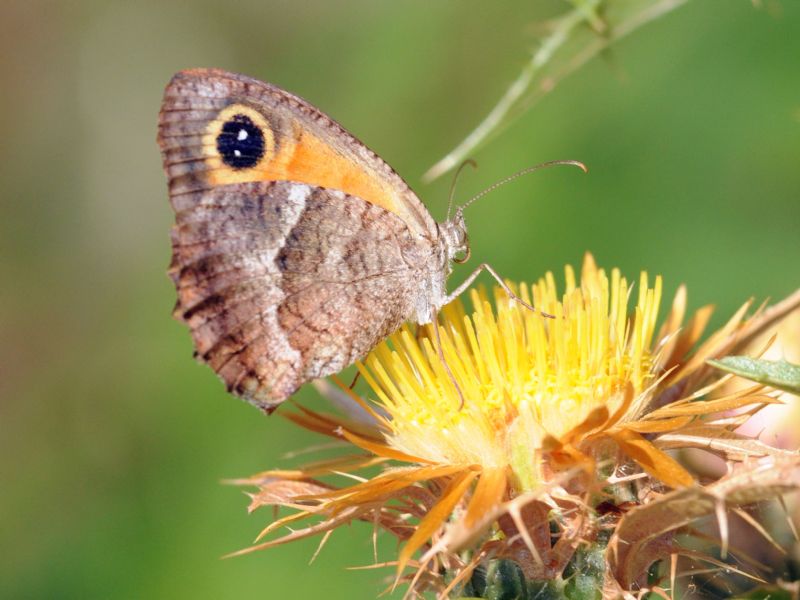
{"x": 113, "y": 441}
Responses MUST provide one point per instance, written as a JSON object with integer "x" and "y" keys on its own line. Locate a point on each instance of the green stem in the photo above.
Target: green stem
{"x": 630, "y": 16}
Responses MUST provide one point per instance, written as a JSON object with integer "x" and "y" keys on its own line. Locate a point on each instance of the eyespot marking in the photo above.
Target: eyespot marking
{"x": 240, "y": 142}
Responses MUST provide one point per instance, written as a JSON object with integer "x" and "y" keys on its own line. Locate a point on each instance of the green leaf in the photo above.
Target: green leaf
{"x": 776, "y": 373}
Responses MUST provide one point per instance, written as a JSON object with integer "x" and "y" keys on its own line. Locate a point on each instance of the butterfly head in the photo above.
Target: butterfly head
{"x": 456, "y": 241}
{"x": 454, "y": 230}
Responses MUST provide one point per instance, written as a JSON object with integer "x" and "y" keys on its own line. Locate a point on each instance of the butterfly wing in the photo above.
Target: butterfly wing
{"x": 295, "y": 247}
{"x": 281, "y": 282}
{"x": 204, "y": 112}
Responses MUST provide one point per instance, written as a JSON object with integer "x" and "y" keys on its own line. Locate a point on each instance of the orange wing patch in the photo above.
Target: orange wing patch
{"x": 301, "y": 156}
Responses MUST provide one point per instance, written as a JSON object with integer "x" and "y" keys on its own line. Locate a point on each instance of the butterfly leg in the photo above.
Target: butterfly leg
{"x": 355, "y": 380}
{"x": 486, "y": 267}
{"x": 438, "y": 338}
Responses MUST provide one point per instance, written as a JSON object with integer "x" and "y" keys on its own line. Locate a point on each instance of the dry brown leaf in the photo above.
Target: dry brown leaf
{"x": 721, "y": 441}
{"x": 284, "y": 493}
{"x": 643, "y": 533}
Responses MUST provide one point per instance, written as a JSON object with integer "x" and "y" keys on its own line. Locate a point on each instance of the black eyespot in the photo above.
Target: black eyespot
{"x": 240, "y": 143}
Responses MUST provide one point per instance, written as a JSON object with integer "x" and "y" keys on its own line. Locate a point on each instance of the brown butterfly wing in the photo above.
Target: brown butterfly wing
{"x": 280, "y": 277}
{"x": 298, "y": 143}
{"x": 281, "y": 282}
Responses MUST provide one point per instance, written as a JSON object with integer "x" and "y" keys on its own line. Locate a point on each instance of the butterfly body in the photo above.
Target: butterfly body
{"x": 296, "y": 249}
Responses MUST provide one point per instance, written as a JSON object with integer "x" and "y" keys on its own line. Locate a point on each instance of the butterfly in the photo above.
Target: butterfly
{"x": 295, "y": 249}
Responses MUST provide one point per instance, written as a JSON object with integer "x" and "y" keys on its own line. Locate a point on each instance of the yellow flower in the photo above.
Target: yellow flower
{"x": 526, "y": 415}
{"x": 529, "y": 383}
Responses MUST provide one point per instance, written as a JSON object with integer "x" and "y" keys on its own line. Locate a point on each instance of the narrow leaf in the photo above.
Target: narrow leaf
{"x": 779, "y": 374}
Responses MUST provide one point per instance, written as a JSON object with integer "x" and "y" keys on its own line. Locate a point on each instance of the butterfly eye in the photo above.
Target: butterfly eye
{"x": 466, "y": 252}
{"x": 240, "y": 143}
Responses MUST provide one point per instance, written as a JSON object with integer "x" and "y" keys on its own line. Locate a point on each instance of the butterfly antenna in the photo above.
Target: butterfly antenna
{"x": 525, "y": 171}
{"x": 452, "y": 194}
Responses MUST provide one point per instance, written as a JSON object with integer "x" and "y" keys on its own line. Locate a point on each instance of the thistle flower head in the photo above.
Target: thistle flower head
{"x": 529, "y": 384}
{"x": 517, "y": 423}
